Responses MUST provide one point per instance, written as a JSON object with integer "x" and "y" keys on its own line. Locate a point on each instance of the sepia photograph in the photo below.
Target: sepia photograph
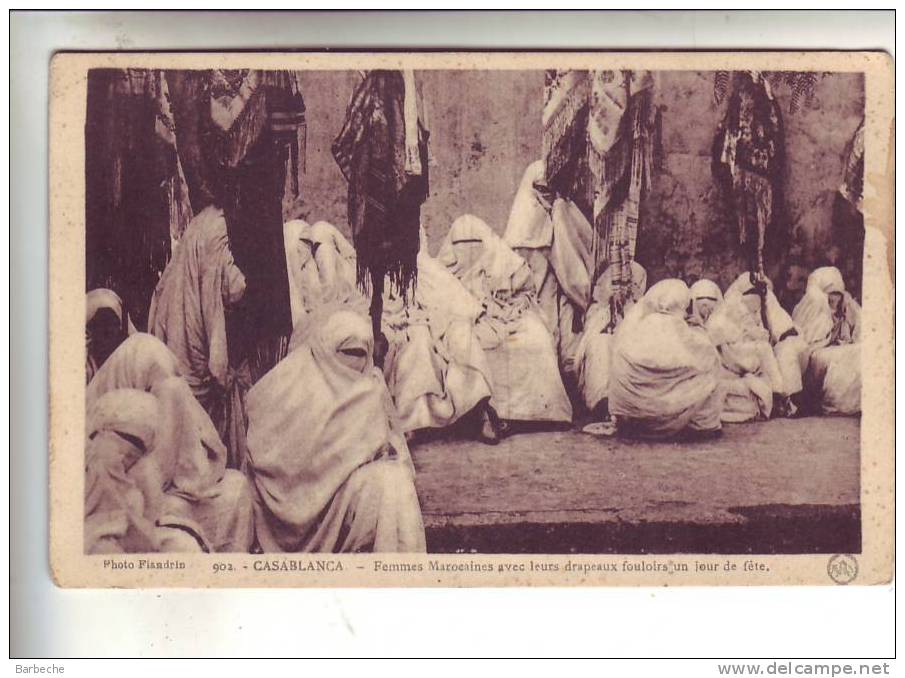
{"x": 471, "y": 319}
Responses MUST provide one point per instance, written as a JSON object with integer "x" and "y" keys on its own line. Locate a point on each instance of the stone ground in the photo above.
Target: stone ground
{"x": 782, "y": 486}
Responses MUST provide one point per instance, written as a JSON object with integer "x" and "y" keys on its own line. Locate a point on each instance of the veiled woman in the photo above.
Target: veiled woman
{"x": 554, "y": 237}
{"x": 155, "y": 458}
{"x": 596, "y": 343}
{"x": 705, "y": 297}
{"x": 140, "y": 362}
{"x": 664, "y": 375}
{"x": 321, "y": 266}
{"x": 750, "y": 373}
{"x": 524, "y": 372}
{"x": 188, "y": 313}
{"x": 197, "y": 483}
{"x": 788, "y": 346}
{"x": 186, "y": 464}
{"x": 123, "y": 483}
{"x": 331, "y": 468}
{"x": 830, "y": 320}
{"x": 435, "y": 368}
{"x": 106, "y": 326}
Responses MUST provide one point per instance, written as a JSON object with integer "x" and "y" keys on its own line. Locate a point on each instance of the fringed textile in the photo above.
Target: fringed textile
{"x": 384, "y": 198}
{"x": 852, "y": 188}
{"x": 749, "y": 162}
{"x": 600, "y": 140}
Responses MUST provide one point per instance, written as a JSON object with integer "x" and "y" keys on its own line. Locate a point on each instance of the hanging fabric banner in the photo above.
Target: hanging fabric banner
{"x": 600, "y": 134}
{"x": 749, "y": 162}
{"x": 852, "y": 188}
{"x": 382, "y": 153}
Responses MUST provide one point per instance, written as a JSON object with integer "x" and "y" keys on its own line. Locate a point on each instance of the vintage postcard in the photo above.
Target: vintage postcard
{"x": 471, "y": 319}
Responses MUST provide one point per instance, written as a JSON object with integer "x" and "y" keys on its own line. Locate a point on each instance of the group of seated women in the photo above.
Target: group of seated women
{"x": 685, "y": 360}
{"x": 187, "y": 452}
{"x": 326, "y": 466}
{"x": 156, "y": 468}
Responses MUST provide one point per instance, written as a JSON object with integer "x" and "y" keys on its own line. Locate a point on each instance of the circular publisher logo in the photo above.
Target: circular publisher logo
{"x": 842, "y": 568}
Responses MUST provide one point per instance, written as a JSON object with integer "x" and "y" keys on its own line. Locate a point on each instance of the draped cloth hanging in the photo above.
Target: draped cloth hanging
{"x": 264, "y": 103}
{"x": 601, "y": 133}
{"x": 749, "y": 163}
{"x": 567, "y": 98}
{"x": 848, "y": 213}
{"x": 852, "y": 187}
{"x": 135, "y": 193}
{"x": 241, "y": 137}
{"x": 622, "y": 132}
{"x": 382, "y": 153}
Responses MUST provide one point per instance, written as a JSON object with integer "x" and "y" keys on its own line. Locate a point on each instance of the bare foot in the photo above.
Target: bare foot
{"x": 600, "y": 428}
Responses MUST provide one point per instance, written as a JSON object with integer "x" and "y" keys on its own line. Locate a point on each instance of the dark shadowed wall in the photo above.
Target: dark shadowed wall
{"x": 486, "y": 127}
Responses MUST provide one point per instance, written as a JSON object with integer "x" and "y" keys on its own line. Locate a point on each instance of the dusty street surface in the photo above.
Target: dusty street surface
{"x": 779, "y": 486}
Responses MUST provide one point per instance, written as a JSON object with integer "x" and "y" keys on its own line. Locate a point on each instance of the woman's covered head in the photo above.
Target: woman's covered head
{"x": 670, "y": 296}
{"x": 338, "y": 337}
{"x": 104, "y": 333}
{"x": 467, "y": 252}
{"x": 827, "y": 279}
{"x": 304, "y": 251}
{"x": 122, "y": 425}
{"x": 705, "y": 295}
{"x": 752, "y": 300}
{"x": 835, "y": 299}
{"x": 467, "y": 235}
{"x": 106, "y": 323}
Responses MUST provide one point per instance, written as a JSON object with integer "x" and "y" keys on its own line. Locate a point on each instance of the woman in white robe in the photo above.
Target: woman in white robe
{"x": 664, "y": 375}
{"x": 197, "y": 483}
{"x": 749, "y": 372}
{"x": 830, "y": 320}
{"x": 788, "y": 345}
{"x": 555, "y": 238}
{"x": 188, "y": 310}
{"x": 106, "y": 326}
{"x": 595, "y": 346}
{"x": 331, "y": 468}
{"x": 301, "y": 269}
{"x": 123, "y": 482}
{"x": 705, "y": 297}
{"x": 321, "y": 266}
{"x": 140, "y": 362}
{"x": 435, "y": 367}
{"x": 524, "y": 371}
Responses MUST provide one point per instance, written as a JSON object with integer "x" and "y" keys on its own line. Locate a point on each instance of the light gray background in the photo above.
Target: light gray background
{"x": 45, "y": 621}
